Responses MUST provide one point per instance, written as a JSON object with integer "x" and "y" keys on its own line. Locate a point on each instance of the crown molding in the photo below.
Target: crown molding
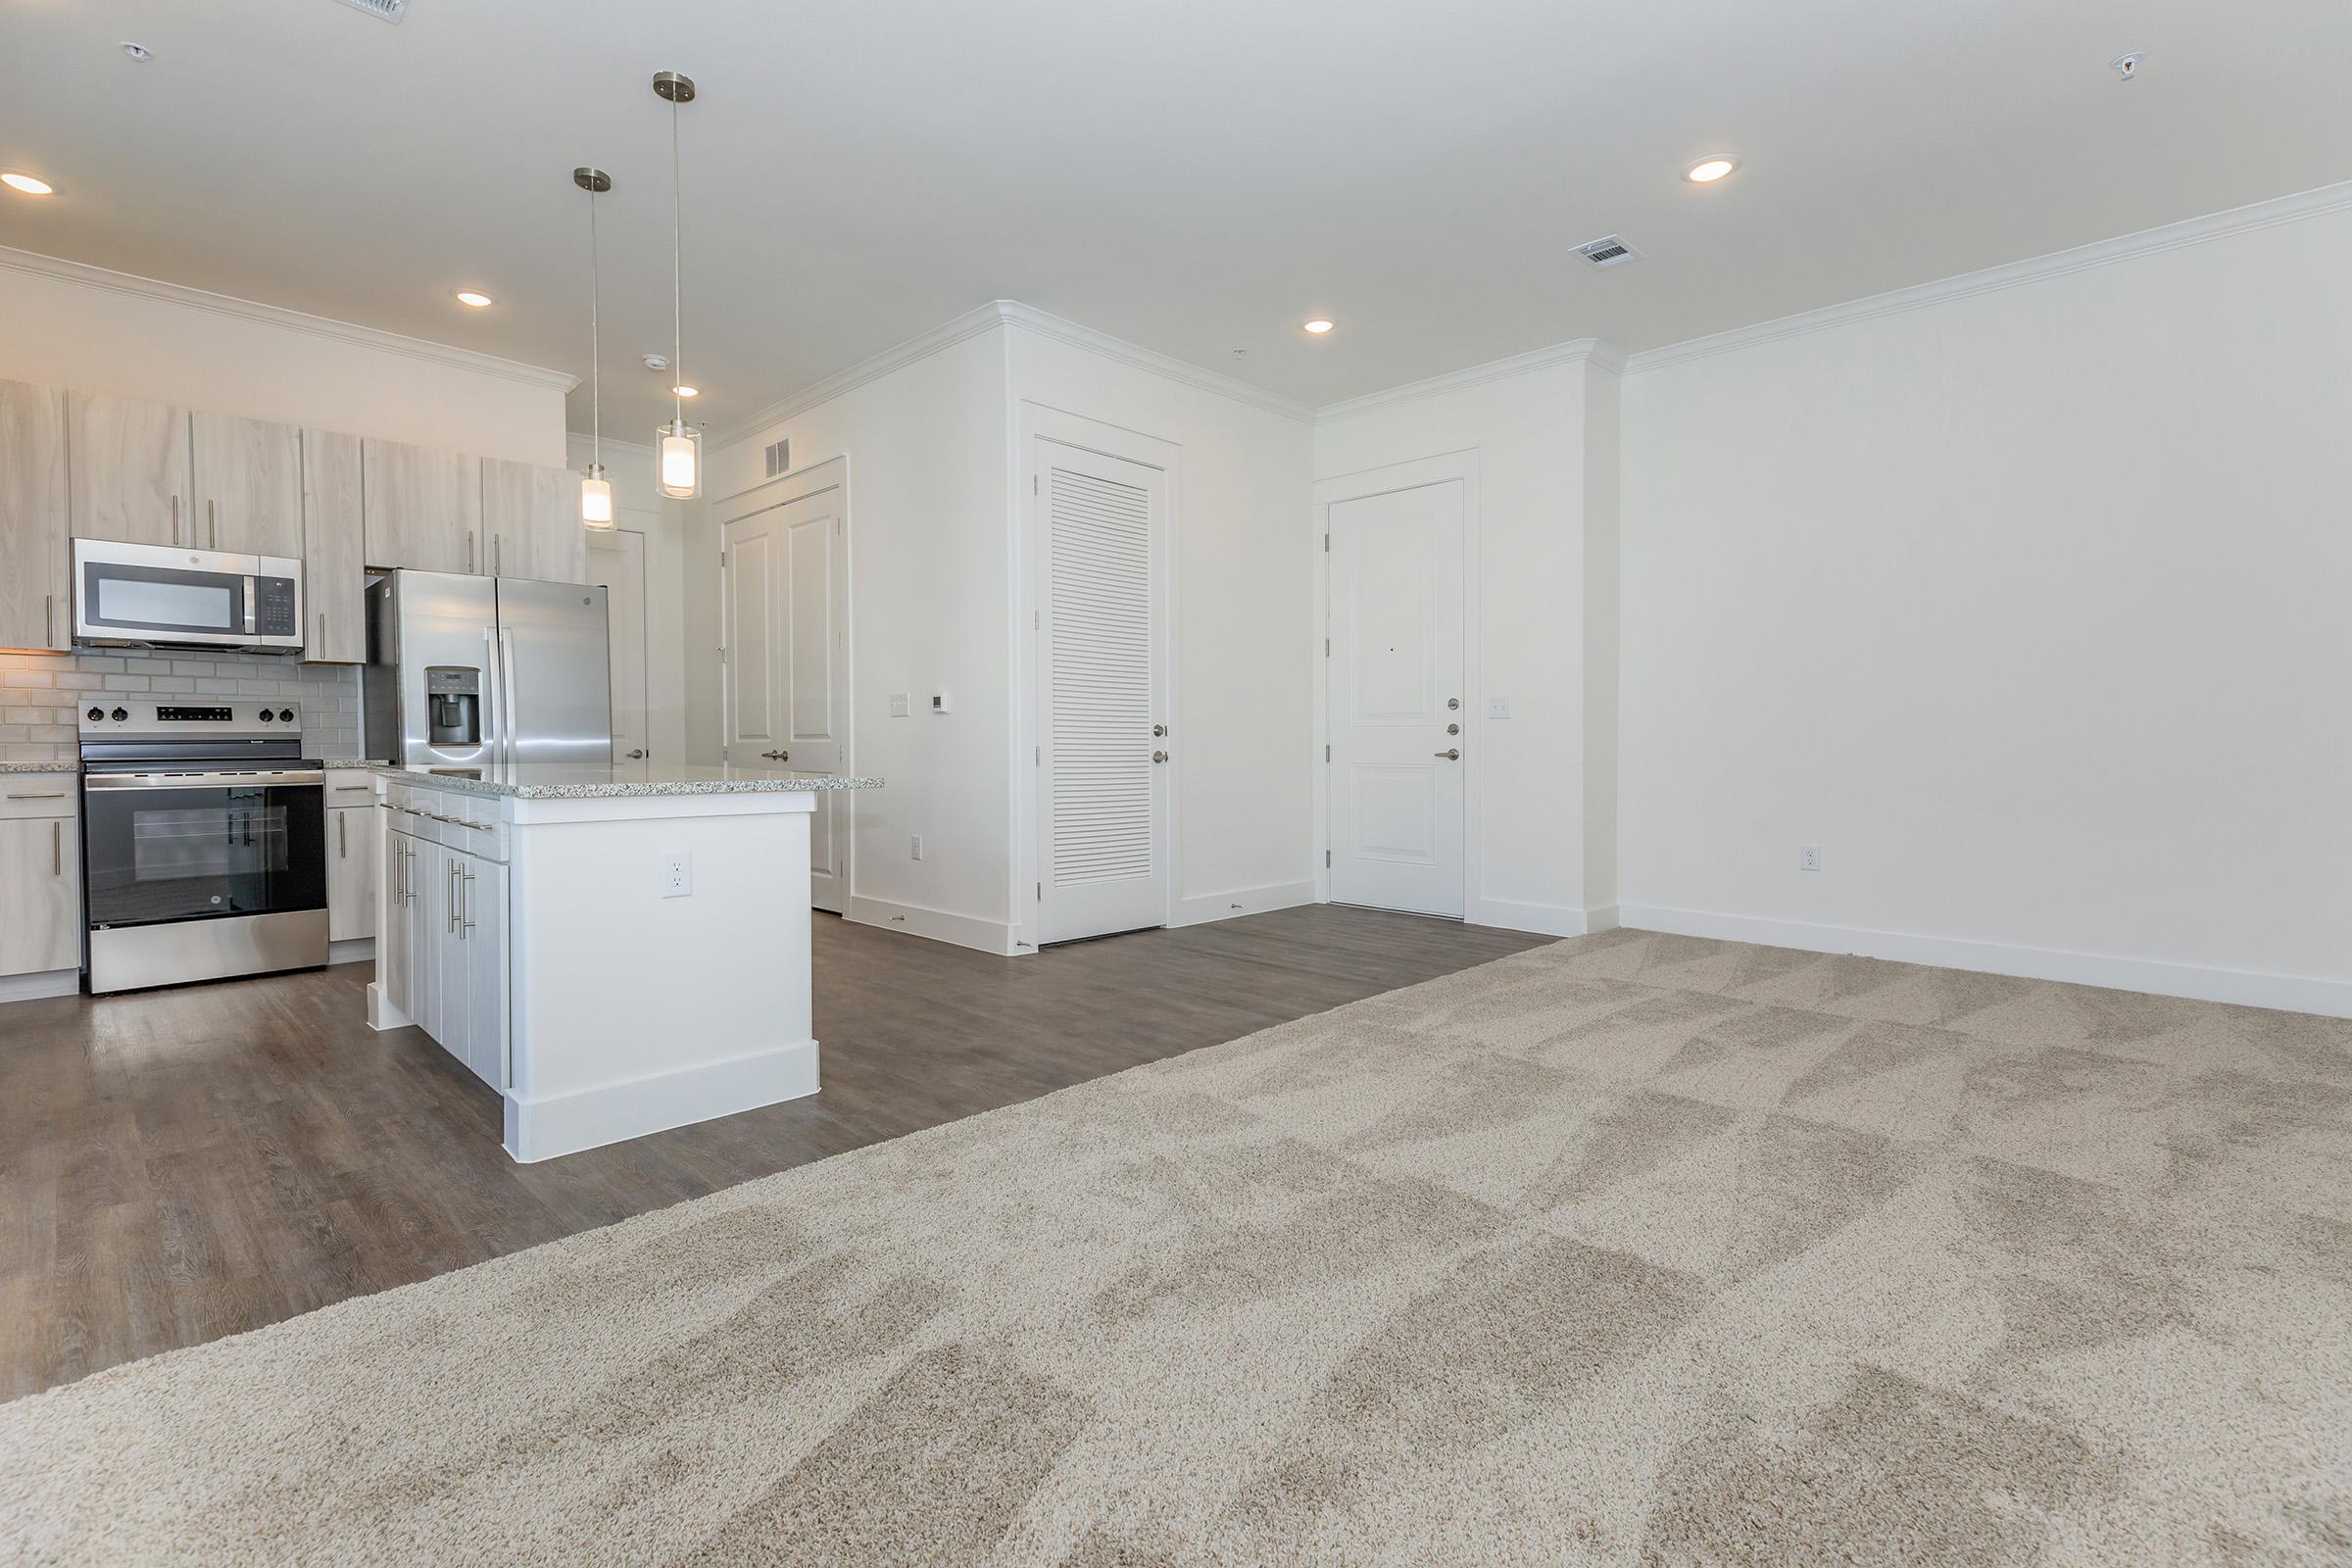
{"x": 1584, "y": 349}
{"x": 84, "y": 276}
{"x": 946, "y": 335}
{"x": 2247, "y": 220}
{"x": 1061, "y": 330}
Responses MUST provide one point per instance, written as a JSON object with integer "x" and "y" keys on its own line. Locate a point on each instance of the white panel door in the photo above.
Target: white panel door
{"x": 1395, "y": 699}
{"x": 788, "y": 600}
{"x": 617, "y": 563}
{"x": 1100, "y": 526}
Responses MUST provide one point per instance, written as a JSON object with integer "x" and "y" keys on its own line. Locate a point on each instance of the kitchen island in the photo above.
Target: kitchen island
{"x": 616, "y": 948}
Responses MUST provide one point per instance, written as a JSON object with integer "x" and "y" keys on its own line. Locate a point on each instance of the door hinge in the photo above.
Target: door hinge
{"x": 1041, "y": 893}
{"x": 1326, "y": 648}
{"x": 1041, "y": 757}
{"x": 723, "y": 558}
{"x": 1327, "y": 544}
{"x": 1037, "y": 620}
{"x": 1325, "y": 860}
{"x": 1033, "y": 489}
{"x": 1327, "y": 753}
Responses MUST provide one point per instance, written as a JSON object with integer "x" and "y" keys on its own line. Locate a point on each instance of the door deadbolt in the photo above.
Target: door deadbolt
{"x": 1453, "y": 729}
{"x": 1158, "y": 730}
{"x": 1453, "y": 701}
{"x": 1159, "y": 757}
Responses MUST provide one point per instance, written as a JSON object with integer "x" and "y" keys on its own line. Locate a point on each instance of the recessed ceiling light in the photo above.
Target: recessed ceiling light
{"x": 1707, "y": 170}
{"x": 1318, "y": 326}
{"x": 686, "y": 391}
{"x": 26, "y": 183}
{"x": 138, "y": 51}
{"x": 473, "y": 297}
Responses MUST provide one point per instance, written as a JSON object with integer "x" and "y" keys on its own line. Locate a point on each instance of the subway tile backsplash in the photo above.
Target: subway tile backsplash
{"x": 40, "y": 695}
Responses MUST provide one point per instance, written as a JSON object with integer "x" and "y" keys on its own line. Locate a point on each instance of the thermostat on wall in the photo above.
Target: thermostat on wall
{"x": 942, "y": 703}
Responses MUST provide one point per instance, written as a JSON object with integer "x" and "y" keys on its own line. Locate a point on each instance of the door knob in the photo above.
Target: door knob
{"x": 1159, "y": 757}
{"x": 635, "y": 756}
{"x": 1157, "y": 730}
{"x": 1453, "y": 729}
{"x": 1451, "y": 754}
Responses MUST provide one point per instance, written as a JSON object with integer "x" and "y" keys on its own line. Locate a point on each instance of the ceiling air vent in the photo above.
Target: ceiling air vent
{"x": 779, "y": 456}
{"x": 381, "y": 10}
{"x": 1608, "y": 251}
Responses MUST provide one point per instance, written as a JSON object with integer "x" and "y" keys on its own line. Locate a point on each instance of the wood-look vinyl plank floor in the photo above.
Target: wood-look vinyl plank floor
{"x": 178, "y": 1166}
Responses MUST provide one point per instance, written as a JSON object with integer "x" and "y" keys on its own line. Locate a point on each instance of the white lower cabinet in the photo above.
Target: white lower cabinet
{"x": 443, "y": 958}
{"x": 40, "y": 874}
{"x": 351, "y": 862}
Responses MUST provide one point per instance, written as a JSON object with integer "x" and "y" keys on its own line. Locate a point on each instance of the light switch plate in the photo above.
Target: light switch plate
{"x": 1499, "y": 708}
{"x": 902, "y": 704}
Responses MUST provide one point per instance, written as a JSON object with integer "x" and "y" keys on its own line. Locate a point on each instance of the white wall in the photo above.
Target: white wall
{"x": 2029, "y": 608}
{"x": 639, "y": 505}
{"x": 929, "y": 607}
{"x": 1542, "y": 617}
{"x": 1242, "y": 637}
{"x": 62, "y": 324}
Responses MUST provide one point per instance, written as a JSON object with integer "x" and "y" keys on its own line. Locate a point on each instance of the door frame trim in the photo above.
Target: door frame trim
{"x": 1412, "y": 475}
{"x": 785, "y": 489}
{"x": 1033, "y": 420}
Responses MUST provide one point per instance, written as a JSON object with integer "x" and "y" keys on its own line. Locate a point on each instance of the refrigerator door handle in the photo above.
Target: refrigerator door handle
{"x": 509, "y": 723}
{"x": 494, "y": 718}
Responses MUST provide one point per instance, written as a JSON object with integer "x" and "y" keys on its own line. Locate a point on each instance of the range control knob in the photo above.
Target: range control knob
{"x": 97, "y": 713}
{"x": 120, "y": 714}
{"x": 267, "y": 716}
{"x": 286, "y": 713}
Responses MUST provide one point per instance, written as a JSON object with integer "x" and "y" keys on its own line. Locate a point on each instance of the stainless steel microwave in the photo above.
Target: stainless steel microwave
{"x": 162, "y": 596}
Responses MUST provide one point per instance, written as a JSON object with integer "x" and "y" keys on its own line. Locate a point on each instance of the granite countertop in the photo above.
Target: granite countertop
{"x": 600, "y": 781}
{"x": 353, "y": 761}
{"x": 56, "y": 765}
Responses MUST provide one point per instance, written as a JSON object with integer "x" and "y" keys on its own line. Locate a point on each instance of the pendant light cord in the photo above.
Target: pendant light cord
{"x": 677, "y": 277}
{"x": 596, "y": 350}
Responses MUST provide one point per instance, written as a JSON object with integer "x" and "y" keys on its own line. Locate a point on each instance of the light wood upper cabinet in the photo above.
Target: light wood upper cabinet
{"x": 130, "y": 466}
{"x": 334, "y": 570}
{"x": 423, "y": 509}
{"x": 532, "y": 517}
{"x": 247, "y": 494}
{"x": 36, "y": 559}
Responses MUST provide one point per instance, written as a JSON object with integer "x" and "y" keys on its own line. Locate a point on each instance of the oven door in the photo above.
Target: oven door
{"x": 127, "y": 593}
{"x": 165, "y": 846}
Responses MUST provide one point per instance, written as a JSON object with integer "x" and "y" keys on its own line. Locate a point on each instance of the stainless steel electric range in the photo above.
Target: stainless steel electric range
{"x": 204, "y": 842}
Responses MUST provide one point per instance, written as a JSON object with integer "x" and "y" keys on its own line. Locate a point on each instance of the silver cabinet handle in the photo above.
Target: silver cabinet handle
{"x": 637, "y": 756}
{"x": 470, "y": 550}
{"x": 400, "y": 874}
{"x": 342, "y": 838}
{"x": 323, "y": 632}
{"x": 340, "y": 788}
{"x": 46, "y": 795}
{"x": 1451, "y": 754}
{"x": 454, "y": 872}
{"x": 497, "y": 555}
{"x": 49, "y": 619}
{"x": 57, "y": 847}
{"x": 175, "y": 519}
{"x": 468, "y": 925}
{"x": 212, "y": 521}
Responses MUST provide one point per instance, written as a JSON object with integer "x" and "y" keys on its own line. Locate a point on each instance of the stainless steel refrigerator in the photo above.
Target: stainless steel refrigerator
{"x": 471, "y": 672}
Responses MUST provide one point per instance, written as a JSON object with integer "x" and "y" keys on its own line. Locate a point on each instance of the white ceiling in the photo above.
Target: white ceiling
{"x": 1194, "y": 175}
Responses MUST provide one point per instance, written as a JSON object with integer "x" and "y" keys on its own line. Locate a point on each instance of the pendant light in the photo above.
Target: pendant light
{"x": 680, "y": 445}
{"x": 596, "y": 491}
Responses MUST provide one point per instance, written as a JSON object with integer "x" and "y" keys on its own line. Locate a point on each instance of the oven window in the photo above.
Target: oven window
{"x": 195, "y": 605}
{"x": 189, "y": 854}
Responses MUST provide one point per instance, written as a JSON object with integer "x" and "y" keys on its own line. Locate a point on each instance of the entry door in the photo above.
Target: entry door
{"x": 1100, "y": 526}
{"x": 617, "y": 563}
{"x": 788, "y": 642}
{"x": 1398, "y": 726}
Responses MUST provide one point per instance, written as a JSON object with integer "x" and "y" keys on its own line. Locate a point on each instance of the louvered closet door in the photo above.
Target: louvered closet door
{"x": 1102, "y": 836}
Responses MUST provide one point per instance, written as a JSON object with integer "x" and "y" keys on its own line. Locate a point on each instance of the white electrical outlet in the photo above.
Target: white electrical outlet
{"x": 914, "y": 846}
{"x": 902, "y": 704}
{"x": 1499, "y": 708}
{"x": 1808, "y": 857}
{"x": 678, "y": 875}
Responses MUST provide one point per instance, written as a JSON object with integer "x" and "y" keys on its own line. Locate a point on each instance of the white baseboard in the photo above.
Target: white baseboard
{"x": 381, "y": 1014}
{"x": 961, "y": 930}
{"x": 352, "y": 949}
{"x": 1545, "y": 920}
{"x": 31, "y": 987}
{"x": 2244, "y": 987}
{"x": 1205, "y": 907}
{"x": 1601, "y": 917}
{"x": 590, "y": 1119}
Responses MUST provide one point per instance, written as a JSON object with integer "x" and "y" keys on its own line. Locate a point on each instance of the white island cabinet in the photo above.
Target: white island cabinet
{"x": 616, "y": 949}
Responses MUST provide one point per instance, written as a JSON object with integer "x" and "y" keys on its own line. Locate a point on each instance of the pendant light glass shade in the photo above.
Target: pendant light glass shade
{"x": 595, "y": 497}
{"x": 681, "y": 461}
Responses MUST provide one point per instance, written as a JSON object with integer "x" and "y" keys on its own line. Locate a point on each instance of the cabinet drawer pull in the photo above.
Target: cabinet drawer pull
{"x": 342, "y": 838}
{"x": 49, "y": 619}
{"x": 57, "y": 848}
{"x": 212, "y": 521}
{"x": 175, "y": 519}
{"x": 46, "y": 795}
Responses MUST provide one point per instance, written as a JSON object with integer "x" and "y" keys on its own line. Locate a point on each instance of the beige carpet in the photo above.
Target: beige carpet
{"x": 1631, "y": 1250}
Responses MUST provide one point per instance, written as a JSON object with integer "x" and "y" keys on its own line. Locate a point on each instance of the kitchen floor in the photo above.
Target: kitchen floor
{"x": 178, "y": 1166}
